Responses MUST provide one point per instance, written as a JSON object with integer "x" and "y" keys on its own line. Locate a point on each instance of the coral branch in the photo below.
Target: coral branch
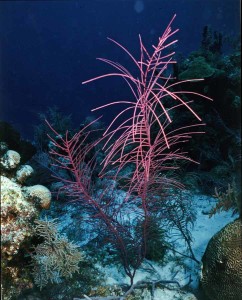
{"x": 144, "y": 138}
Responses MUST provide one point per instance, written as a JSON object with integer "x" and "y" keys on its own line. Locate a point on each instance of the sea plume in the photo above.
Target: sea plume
{"x": 142, "y": 146}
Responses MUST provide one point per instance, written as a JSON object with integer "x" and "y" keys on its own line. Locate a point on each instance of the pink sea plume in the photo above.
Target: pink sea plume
{"x": 145, "y": 127}
{"x": 142, "y": 147}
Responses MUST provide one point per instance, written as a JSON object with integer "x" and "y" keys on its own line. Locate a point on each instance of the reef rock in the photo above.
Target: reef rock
{"x": 18, "y": 213}
{"x": 10, "y": 160}
{"x": 222, "y": 264}
{"x": 38, "y": 193}
{"x": 23, "y": 173}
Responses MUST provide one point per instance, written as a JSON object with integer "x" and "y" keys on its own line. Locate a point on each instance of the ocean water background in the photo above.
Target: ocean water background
{"x": 49, "y": 47}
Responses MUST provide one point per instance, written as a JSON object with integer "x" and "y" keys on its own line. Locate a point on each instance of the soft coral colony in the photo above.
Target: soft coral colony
{"x": 141, "y": 147}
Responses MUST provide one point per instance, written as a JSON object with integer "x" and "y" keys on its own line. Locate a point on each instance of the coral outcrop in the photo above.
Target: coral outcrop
{"x": 16, "y": 216}
{"x": 10, "y": 160}
{"x": 23, "y": 173}
{"x": 18, "y": 213}
{"x": 39, "y": 194}
{"x": 197, "y": 68}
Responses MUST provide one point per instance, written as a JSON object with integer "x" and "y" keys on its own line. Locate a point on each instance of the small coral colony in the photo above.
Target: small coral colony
{"x": 122, "y": 183}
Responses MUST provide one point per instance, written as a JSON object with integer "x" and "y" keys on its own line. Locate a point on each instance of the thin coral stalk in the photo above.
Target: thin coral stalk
{"x": 146, "y": 138}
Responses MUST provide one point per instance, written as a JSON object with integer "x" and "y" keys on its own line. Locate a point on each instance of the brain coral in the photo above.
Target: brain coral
{"x": 222, "y": 264}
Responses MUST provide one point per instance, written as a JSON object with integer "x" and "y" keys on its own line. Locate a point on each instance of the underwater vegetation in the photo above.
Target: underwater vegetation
{"x": 58, "y": 120}
{"x": 220, "y": 148}
{"x": 140, "y": 149}
{"x": 55, "y": 258}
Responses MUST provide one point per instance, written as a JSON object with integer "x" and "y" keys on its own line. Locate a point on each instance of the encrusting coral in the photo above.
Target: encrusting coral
{"x": 10, "y": 159}
{"x": 197, "y": 68}
{"x": 38, "y": 193}
{"x": 18, "y": 212}
{"x": 23, "y": 173}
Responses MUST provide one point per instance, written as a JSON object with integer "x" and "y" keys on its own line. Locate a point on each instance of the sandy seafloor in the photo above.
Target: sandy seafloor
{"x": 174, "y": 267}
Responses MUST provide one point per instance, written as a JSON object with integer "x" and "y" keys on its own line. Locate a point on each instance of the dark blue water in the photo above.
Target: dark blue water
{"x": 49, "y": 47}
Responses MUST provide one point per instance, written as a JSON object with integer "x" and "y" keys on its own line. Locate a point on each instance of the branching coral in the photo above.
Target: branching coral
{"x": 54, "y": 259}
{"x": 230, "y": 199}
